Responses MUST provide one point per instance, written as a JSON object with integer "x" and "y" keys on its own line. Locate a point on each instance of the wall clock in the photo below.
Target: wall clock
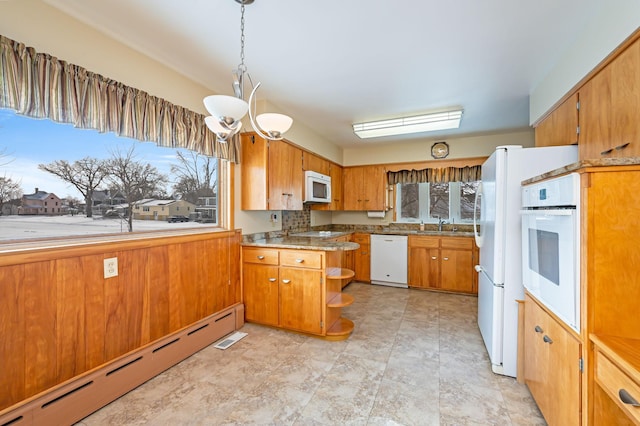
{"x": 439, "y": 150}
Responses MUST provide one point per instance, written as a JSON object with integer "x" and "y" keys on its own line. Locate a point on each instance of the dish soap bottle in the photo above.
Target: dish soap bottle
{"x": 422, "y": 225}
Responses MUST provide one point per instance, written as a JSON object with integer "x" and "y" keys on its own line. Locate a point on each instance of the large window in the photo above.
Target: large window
{"x": 430, "y": 202}
{"x": 58, "y": 181}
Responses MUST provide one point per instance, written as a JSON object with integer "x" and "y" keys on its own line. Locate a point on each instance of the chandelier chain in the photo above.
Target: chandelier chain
{"x": 242, "y": 66}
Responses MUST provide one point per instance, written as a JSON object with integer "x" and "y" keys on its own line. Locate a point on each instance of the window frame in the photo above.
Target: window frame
{"x": 425, "y": 207}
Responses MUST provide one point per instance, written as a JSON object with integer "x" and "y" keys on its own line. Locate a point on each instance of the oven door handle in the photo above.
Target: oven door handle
{"x": 557, "y": 212}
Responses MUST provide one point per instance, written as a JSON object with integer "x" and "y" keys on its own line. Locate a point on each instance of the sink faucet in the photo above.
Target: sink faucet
{"x": 440, "y": 223}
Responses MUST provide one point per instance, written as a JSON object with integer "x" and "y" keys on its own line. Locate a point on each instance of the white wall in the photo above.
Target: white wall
{"x": 473, "y": 146}
{"x": 617, "y": 20}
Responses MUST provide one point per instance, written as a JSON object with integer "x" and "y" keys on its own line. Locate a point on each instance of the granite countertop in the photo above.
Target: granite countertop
{"x": 596, "y": 162}
{"x": 444, "y": 233}
{"x": 320, "y": 240}
{"x": 303, "y": 243}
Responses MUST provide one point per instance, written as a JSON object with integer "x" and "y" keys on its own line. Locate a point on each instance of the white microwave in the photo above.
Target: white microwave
{"x": 317, "y": 187}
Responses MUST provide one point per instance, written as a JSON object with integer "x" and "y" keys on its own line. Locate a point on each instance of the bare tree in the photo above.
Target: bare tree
{"x": 85, "y": 175}
{"x": 197, "y": 176}
{"x": 4, "y": 160}
{"x": 9, "y": 190}
{"x": 134, "y": 179}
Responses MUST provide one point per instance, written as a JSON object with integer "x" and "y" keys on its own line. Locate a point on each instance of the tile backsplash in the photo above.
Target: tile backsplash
{"x": 296, "y": 220}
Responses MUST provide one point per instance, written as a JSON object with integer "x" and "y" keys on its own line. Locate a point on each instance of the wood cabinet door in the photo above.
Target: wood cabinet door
{"x": 362, "y": 263}
{"x": 551, "y": 368}
{"x": 424, "y": 267}
{"x": 337, "y": 197}
{"x": 260, "y": 284}
{"x": 253, "y": 172}
{"x": 536, "y": 359}
{"x": 564, "y": 376}
{"x": 352, "y": 178}
{"x": 561, "y": 126}
{"x": 301, "y": 299}
{"x": 374, "y": 187}
{"x": 595, "y": 107}
{"x": 315, "y": 163}
{"x": 286, "y": 177}
{"x": 456, "y": 270}
{"x": 625, "y": 103}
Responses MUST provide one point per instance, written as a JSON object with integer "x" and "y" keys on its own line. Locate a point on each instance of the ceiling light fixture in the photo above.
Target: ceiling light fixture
{"x": 228, "y": 111}
{"x": 415, "y": 124}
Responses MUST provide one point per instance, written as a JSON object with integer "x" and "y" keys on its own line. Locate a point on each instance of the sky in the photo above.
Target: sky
{"x": 26, "y": 142}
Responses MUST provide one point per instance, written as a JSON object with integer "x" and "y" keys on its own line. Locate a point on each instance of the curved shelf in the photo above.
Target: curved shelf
{"x": 340, "y": 300}
{"x": 339, "y": 273}
{"x": 341, "y": 328}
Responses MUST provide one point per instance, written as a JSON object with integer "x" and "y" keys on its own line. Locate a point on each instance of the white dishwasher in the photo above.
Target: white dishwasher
{"x": 389, "y": 260}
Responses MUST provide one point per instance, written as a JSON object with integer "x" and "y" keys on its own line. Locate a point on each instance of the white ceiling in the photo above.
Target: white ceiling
{"x": 331, "y": 63}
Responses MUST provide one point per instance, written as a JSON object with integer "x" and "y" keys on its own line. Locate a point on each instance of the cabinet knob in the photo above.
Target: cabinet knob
{"x": 260, "y": 257}
{"x": 445, "y": 258}
{"x": 538, "y": 329}
{"x": 434, "y": 257}
{"x": 627, "y": 398}
{"x": 547, "y": 339}
{"x": 272, "y": 280}
{"x": 299, "y": 260}
{"x": 286, "y": 281}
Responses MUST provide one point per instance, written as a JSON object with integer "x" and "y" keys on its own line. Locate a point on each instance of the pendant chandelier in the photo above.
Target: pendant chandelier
{"x": 228, "y": 111}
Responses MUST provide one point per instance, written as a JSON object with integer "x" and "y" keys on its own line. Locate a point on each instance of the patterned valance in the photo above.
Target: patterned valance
{"x": 41, "y": 86}
{"x": 430, "y": 175}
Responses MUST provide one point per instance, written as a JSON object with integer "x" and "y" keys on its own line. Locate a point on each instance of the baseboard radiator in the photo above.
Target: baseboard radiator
{"x": 76, "y": 398}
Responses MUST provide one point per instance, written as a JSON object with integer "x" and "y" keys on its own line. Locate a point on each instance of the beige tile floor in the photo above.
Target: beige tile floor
{"x": 414, "y": 358}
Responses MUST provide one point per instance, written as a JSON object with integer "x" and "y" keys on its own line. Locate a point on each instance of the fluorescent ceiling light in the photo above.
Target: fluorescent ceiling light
{"x": 404, "y": 125}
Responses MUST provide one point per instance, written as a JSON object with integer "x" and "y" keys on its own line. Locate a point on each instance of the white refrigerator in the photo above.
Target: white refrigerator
{"x": 500, "y": 242}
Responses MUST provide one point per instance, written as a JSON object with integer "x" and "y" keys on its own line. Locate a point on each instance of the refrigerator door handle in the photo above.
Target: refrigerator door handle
{"x": 480, "y": 269}
{"x": 479, "y": 238}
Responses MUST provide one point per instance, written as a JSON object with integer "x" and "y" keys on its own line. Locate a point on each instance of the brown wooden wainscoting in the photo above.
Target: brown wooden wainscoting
{"x": 75, "y": 399}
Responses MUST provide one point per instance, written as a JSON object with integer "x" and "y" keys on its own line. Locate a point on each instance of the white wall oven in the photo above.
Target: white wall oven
{"x": 551, "y": 245}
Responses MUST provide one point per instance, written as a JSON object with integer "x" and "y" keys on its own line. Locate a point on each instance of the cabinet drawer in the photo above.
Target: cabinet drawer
{"x": 613, "y": 381}
{"x": 302, "y": 259}
{"x": 426, "y": 242}
{"x": 462, "y": 243}
{"x": 361, "y": 238}
{"x": 260, "y": 255}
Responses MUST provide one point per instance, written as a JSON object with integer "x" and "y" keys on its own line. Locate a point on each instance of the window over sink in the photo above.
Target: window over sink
{"x": 429, "y": 202}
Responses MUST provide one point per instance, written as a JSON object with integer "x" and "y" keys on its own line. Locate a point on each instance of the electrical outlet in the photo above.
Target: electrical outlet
{"x": 111, "y": 267}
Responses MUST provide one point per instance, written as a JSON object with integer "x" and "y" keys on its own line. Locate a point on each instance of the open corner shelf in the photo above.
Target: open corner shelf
{"x": 340, "y": 301}
{"x": 339, "y": 273}
{"x": 340, "y": 329}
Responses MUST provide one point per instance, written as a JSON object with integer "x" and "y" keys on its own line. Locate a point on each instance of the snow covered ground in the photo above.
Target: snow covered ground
{"x": 21, "y": 227}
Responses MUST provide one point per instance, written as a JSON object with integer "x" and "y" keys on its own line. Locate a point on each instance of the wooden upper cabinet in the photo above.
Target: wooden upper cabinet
{"x": 609, "y": 109}
{"x": 286, "y": 178}
{"x": 254, "y": 166}
{"x": 315, "y": 164}
{"x": 272, "y": 175}
{"x": 561, "y": 126}
{"x": 364, "y": 188}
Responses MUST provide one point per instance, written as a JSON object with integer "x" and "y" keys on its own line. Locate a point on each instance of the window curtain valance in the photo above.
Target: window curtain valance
{"x": 41, "y": 86}
{"x": 430, "y": 175}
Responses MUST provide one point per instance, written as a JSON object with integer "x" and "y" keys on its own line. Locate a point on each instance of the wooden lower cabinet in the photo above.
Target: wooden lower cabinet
{"x": 296, "y": 290}
{"x": 300, "y": 292}
{"x": 362, "y": 257}
{"x": 552, "y": 357}
{"x": 261, "y": 290}
{"x": 443, "y": 263}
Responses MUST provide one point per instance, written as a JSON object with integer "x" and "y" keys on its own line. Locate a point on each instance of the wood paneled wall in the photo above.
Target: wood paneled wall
{"x": 59, "y": 316}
